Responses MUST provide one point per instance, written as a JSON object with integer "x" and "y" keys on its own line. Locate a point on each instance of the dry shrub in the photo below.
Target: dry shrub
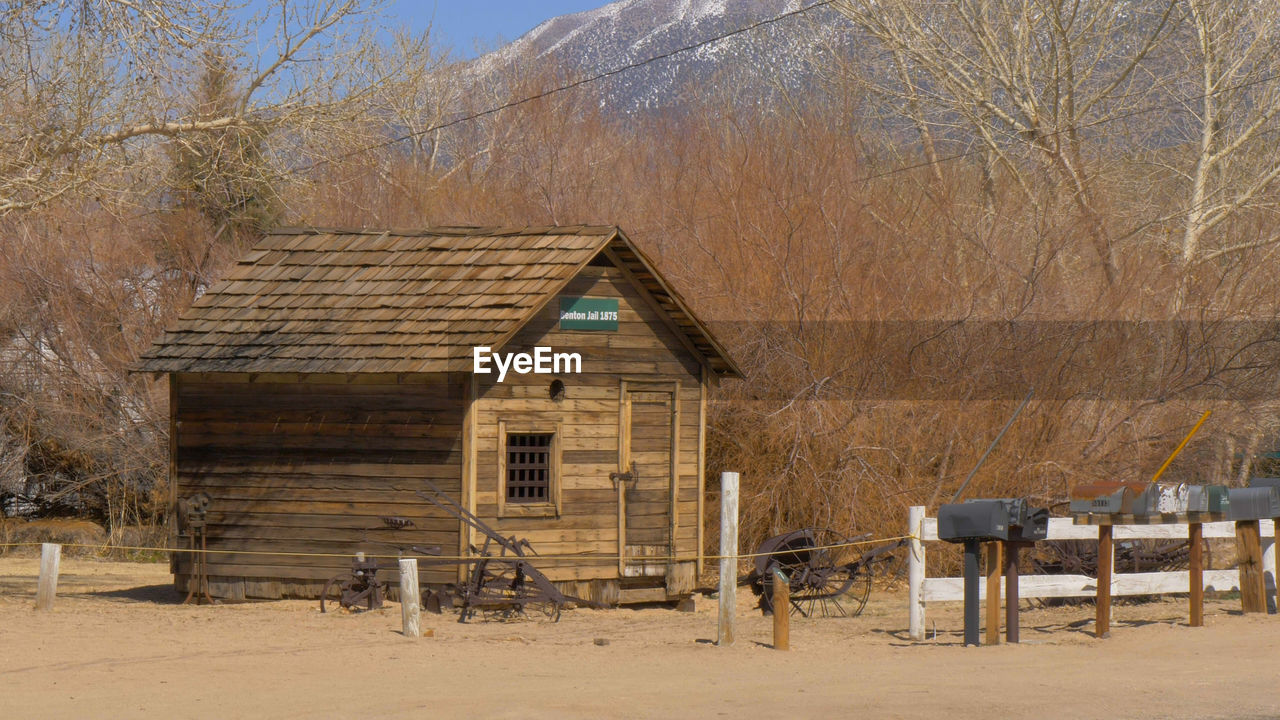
{"x": 888, "y": 322}
{"x": 60, "y": 531}
{"x": 837, "y": 287}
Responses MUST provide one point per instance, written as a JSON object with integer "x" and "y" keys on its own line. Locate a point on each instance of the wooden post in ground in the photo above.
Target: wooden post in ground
{"x": 915, "y": 572}
{"x": 1106, "y": 558}
{"x": 1195, "y": 537}
{"x": 50, "y": 556}
{"x": 728, "y": 557}
{"x": 1270, "y": 557}
{"x": 781, "y": 602}
{"x": 1253, "y": 589}
{"x": 1011, "y": 592}
{"x": 410, "y": 599}
{"x": 994, "y": 566}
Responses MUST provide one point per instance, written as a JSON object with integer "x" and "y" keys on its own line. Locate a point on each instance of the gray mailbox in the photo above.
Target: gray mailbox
{"x": 1254, "y": 503}
{"x": 1005, "y": 519}
{"x": 975, "y": 521}
{"x": 1033, "y": 525}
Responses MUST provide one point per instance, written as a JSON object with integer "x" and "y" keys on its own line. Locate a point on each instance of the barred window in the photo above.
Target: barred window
{"x": 529, "y": 467}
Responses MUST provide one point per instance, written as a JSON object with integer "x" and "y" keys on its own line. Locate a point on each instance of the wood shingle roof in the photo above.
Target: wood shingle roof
{"x": 398, "y": 301}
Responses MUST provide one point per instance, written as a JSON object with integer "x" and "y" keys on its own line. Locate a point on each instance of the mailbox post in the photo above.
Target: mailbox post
{"x": 1272, "y": 483}
{"x": 975, "y": 521}
{"x": 971, "y": 592}
{"x": 1011, "y": 549}
{"x": 1247, "y": 507}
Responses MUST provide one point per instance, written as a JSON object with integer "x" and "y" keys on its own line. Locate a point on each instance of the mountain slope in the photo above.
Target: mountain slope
{"x": 776, "y": 56}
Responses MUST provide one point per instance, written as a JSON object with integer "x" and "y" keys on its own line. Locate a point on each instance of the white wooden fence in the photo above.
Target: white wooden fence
{"x": 923, "y": 590}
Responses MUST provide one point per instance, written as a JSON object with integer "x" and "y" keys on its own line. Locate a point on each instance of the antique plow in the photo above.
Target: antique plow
{"x": 827, "y": 573}
{"x": 502, "y": 579}
{"x": 360, "y": 588}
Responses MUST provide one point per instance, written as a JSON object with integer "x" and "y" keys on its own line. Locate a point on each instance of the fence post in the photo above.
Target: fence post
{"x": 728, "y": 556}
{"x": 781, "y": 602}
{"x": 915, "y": 571}
{"x": 50, "y": 555}
{"x": 1269, "y": 566}
{"x": 410, "y": 601}
{"x": 995, "y": 565}
{"x": 1253, "y": 588}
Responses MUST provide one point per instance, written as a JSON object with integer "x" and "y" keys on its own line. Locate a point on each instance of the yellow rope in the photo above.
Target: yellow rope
{"x": 581, "y": 556}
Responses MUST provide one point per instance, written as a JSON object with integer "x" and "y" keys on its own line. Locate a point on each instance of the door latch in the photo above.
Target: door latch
{"x": 628, "y": 477}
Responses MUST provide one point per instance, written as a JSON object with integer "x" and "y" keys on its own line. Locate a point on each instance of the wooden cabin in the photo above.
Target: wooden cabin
{"x": 315, "y": 389}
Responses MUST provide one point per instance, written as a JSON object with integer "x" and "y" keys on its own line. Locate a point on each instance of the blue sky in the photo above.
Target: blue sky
{"x": 464, "y": 23}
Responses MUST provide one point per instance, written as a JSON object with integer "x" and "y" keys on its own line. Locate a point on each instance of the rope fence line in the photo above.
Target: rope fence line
{"x": 614, "y": 557}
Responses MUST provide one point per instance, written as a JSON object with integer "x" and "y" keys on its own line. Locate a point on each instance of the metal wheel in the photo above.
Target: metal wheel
{"x": 824, "y": 581}
{"x": 835, "y": 592}
{"x": 332, "y": 592}
{"x": 499, "y": 588}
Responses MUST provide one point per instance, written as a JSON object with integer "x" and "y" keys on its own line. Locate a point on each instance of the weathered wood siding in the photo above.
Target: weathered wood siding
{"x": 642, "y": 350}
{"x": 309, "y": 464}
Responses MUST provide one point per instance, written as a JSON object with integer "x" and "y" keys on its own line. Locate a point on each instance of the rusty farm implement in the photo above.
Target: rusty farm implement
{"x": 828, "y": 574}
{"x": 501, "y": 581}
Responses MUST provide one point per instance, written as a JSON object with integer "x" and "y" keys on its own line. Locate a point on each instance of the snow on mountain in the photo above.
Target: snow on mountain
{"x": 752, "y": 64}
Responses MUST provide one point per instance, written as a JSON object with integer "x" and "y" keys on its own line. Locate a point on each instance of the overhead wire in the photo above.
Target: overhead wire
{"x": 612, "y": 557}
{"x": 1162, "y": 105}
{"x": 562, "y": 88}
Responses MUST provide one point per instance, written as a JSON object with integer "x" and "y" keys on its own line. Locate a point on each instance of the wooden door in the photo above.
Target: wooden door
{"x": 646, "y": 504}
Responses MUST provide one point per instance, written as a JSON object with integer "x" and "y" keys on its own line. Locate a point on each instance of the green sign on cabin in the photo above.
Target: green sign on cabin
{"x": 588, "y": 314}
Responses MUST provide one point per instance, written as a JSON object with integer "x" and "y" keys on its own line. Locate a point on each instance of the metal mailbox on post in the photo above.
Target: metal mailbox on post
{"x": 1260, "y": 501}
{"x": 1010, "y": 520}
{"x": 1268, "y": 482}
{"x": 1108, "y": 498}
{"x": 1254, "y": 503}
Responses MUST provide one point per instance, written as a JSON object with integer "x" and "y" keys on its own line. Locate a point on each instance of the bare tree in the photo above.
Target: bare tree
{"x": 87, "y": 88}
{"x": 1234, "y": 103}
{"x": 1024, "y": 80}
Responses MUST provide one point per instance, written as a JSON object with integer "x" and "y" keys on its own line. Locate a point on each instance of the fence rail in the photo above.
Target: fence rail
{"x": 923, "y": 589}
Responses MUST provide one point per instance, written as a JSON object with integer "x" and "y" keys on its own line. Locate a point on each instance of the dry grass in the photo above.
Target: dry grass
{"x": 83, "y": 538}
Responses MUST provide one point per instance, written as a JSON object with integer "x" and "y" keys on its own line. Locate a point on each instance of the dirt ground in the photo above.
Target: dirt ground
{"x": 118, "y": 644}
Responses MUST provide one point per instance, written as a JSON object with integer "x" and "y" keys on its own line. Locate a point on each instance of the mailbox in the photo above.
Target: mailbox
{"x": 1171, "y": 498}
{"x": 1254, "y": 503}
{"x": 1219, "y": 498}
{"x": 1005, "y": 519}
{"x": 972, "y": 522}
{"x": 1110, "y": 497}
{"x": 1176, "y": 498}
{"x": 1034, "y": 525}
{"x": 1206, "y": 499}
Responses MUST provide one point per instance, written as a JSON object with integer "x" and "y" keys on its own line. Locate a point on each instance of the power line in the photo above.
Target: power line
{"x": 739, "y": 31}
{"x": 562, "y": 88}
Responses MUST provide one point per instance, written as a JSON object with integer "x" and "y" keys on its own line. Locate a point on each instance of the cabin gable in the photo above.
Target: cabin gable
{"x": 642, "y": 371}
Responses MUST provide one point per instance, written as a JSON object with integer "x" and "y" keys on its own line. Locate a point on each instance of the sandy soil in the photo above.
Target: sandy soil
{"x": 117, "y": 644}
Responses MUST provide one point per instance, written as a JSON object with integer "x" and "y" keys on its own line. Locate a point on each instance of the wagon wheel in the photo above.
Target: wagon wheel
{"x": 830, "y": 582}
{"x": 501, "y": 589}
{"x": 833, "y": 592}
{"x": 332, "y": 592}
{"x": 826, "y": 582}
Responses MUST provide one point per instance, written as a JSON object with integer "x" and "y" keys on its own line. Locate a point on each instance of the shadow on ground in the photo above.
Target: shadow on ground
{"x": 150, "y": 594}
{"x": 952, "y": 636}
